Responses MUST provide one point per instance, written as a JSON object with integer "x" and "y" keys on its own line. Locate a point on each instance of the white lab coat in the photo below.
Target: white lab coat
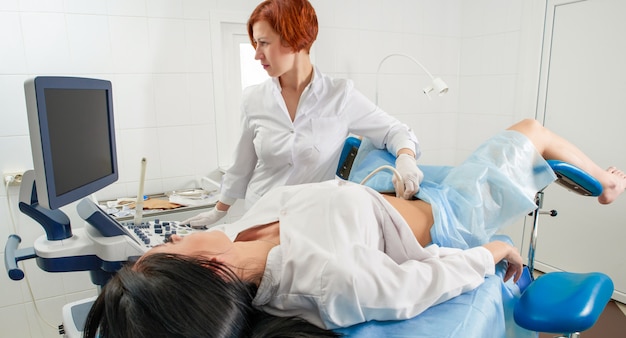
{"x": 346, "y": 256}
{"x": 274, "y": 151}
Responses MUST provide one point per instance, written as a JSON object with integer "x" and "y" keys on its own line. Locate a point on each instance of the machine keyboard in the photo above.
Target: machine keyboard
{"x": 155, "y": 232}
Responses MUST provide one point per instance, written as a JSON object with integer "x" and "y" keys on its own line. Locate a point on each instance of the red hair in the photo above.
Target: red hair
{"x": 295, "y": 22}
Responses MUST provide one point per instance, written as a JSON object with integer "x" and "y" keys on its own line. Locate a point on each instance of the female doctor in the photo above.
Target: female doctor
{"x": 295, "y": 123}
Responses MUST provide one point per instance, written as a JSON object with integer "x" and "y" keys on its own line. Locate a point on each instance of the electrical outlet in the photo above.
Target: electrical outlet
{"x": 13, "y": 178}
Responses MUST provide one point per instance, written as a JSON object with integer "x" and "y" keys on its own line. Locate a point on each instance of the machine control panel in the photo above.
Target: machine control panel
{"x": 147, "y": 234}
{"x": 155, "y": 232}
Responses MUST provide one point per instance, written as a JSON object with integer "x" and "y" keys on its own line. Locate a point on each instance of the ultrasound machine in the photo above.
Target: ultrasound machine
{"x": 72, "y": 137}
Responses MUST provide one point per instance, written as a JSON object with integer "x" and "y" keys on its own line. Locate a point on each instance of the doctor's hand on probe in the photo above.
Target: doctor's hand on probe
{"x": 412, "y": 176}
{"x": 208, "y": 218}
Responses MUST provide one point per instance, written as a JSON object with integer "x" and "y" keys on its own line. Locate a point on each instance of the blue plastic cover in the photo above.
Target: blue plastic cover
{"x": 492, "y": 189}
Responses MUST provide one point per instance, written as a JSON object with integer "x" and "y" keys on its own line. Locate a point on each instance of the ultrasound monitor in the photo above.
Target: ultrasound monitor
{"x": 73, "y": 147}
{"x": 72, "y": 137}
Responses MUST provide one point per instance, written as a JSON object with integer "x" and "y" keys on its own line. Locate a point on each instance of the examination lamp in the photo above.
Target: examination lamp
{"x": 437, "y": 85}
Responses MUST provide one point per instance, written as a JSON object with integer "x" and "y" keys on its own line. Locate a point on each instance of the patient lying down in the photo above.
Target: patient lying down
{"x": 310, "y": 258}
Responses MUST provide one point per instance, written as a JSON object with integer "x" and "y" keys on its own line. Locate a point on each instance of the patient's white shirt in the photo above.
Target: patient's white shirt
{"x": 346, "y": 256}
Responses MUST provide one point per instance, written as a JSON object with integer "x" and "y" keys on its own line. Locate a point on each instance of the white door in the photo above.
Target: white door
{"x": 582, "y": 96}
{"x": 234, "y": 68}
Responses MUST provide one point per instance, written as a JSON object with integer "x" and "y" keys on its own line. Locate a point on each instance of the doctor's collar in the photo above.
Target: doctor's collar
{"x": 316, "y": 77}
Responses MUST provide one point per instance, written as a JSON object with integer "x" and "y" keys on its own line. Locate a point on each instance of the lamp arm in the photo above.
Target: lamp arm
{"x": 406, "y": 56}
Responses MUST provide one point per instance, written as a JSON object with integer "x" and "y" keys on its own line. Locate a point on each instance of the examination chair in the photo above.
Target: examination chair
{"x": 558, "y": 302}
{"x": 563, "y": 303}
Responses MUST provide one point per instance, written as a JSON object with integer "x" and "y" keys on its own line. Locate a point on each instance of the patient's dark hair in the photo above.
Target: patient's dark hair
{"x": 168, "y": 295}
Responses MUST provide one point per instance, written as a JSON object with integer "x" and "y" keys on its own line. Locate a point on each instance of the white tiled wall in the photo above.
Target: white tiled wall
{"x": 157, "y": 54}
{"x": 489, "y": 72}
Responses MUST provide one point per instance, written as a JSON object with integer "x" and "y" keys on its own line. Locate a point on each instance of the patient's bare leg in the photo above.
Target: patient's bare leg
{"x": 554, "y": 147}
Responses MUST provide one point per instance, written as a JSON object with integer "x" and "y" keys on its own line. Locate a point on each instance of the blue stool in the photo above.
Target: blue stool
{"x": 563, "y": 302}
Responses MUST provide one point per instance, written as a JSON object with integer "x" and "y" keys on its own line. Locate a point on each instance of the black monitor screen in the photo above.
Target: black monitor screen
{"x": 75, "y": 116}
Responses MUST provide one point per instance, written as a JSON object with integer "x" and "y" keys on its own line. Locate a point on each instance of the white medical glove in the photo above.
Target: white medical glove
{"x": 205, "y": 219}
{"x": 406, "y": 165}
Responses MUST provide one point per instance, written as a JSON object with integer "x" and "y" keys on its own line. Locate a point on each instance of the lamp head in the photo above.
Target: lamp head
{"x": 438, "y": 86}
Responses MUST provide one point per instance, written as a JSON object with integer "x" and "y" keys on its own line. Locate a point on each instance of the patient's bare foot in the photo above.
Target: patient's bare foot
{"x": 617, "y": 186}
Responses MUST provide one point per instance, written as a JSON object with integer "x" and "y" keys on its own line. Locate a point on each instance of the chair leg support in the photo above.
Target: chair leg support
{"x": 563, "y": 303}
